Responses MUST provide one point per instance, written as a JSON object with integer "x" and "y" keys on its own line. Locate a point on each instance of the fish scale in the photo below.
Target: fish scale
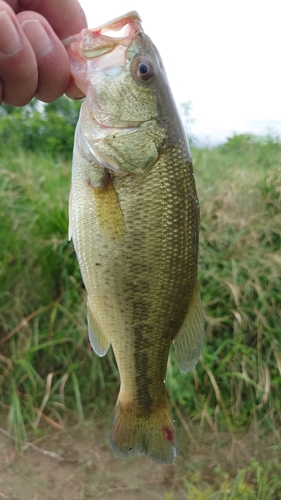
{"x": 134, "y": 220}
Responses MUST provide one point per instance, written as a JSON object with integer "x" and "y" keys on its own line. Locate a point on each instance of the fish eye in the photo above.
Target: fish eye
{"x": 143, "y": 68}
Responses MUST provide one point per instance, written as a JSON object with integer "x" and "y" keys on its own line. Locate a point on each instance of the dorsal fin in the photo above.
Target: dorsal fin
{"x": 189, "y": 342}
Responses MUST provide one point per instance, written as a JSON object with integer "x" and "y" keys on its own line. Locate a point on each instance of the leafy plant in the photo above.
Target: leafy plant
{"x": 48, "y": 372}
{"x": 40, "y": 127}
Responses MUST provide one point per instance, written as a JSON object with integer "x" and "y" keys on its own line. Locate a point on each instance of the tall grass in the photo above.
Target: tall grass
{"x": 47, "y": 369}
{"x": 42, "y": 301}
{"x": 237, "y": 383}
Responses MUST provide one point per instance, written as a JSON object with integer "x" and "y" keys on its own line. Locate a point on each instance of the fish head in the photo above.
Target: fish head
{"x": 122, "y": 124}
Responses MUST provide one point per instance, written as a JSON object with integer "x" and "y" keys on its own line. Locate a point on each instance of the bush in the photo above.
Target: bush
{"x": 46, "y": 128}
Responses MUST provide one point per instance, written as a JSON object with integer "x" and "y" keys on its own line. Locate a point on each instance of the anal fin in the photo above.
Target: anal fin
{"x": 189, "y": 341}
{"x": 97, "y": 338}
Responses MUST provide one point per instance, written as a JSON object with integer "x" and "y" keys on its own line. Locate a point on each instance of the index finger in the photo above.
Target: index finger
{"x": 65, "y": 16}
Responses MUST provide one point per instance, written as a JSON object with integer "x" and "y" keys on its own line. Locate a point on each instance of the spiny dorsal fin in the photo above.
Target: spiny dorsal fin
{"x": 189, "y": 342}
{"x": 97, "y": 338}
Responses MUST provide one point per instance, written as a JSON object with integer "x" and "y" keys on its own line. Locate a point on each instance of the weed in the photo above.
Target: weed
{"x": 47, "y": 369}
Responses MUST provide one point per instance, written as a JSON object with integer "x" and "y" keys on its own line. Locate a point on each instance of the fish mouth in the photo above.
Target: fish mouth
{"x": 96, "y": 42}
{"x": 100, "y": 131}
{"x": 109, "y": 40}
{"x": 102, "y": 40}
{"x": 132, "y": 19}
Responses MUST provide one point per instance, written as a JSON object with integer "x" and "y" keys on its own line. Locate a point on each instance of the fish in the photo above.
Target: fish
{"x": 134, "y": 222}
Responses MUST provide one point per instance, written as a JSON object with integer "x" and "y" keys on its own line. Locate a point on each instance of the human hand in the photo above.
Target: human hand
{"x": 33, "y": 60}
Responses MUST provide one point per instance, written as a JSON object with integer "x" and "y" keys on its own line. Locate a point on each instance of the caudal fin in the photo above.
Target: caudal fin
{"x": 153, "y": 434}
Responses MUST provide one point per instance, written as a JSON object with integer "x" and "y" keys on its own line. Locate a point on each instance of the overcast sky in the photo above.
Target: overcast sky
{"x": 223, "y": 55}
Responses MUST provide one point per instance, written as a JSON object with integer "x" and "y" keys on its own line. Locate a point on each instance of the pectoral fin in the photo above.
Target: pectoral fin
{"x": 97, "y": 338}
{"x": 108, "y": 210}
{"x": 189, "y": 342}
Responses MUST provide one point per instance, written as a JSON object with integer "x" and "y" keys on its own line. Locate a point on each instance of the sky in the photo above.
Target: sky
{"x": 222, "y": 55}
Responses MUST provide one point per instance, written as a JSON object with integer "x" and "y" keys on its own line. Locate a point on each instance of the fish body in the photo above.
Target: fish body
{"x": 134, "y": 223}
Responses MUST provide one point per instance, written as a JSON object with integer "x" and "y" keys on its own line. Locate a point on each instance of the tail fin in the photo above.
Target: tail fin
{"x": 153, "y": 434}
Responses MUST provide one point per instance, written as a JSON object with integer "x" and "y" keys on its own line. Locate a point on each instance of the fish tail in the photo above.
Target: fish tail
{"x": 153, "y": 434}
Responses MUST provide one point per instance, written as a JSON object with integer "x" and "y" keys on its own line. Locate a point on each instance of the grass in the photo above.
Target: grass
{"x": 42, "y": 302}
{"x": 252, "y": 483}
{"x": 237, "y": 382}
{"x": 47, "y": 370}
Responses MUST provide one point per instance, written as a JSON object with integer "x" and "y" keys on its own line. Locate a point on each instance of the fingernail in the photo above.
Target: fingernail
{"x": 37, "y": 37}
{"x": 9, "y": 38}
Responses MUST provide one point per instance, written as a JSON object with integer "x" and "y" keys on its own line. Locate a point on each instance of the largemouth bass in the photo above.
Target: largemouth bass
{"x": 134, "y": 217}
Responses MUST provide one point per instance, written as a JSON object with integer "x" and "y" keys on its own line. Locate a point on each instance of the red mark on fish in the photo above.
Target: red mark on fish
{"x": 168, "y": 433}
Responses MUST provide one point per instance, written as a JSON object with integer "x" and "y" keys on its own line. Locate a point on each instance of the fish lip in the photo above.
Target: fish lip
{"x": 91, "y": 43}
{"x": 117, "y": 23}
{"x": 115, "y": 129}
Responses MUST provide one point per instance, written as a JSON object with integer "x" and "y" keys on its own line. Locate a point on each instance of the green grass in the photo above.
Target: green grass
{"x": 42, "y": 299}
{"x": 237, "y": 382}
{"x": 47, "y": 369}
{"x": 251, "y": 483}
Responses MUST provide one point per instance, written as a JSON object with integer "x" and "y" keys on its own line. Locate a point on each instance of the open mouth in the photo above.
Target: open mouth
{"x": 101, "y": 49}
{"x": 91, "y": 43}
{"x": 126, "y": 25}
